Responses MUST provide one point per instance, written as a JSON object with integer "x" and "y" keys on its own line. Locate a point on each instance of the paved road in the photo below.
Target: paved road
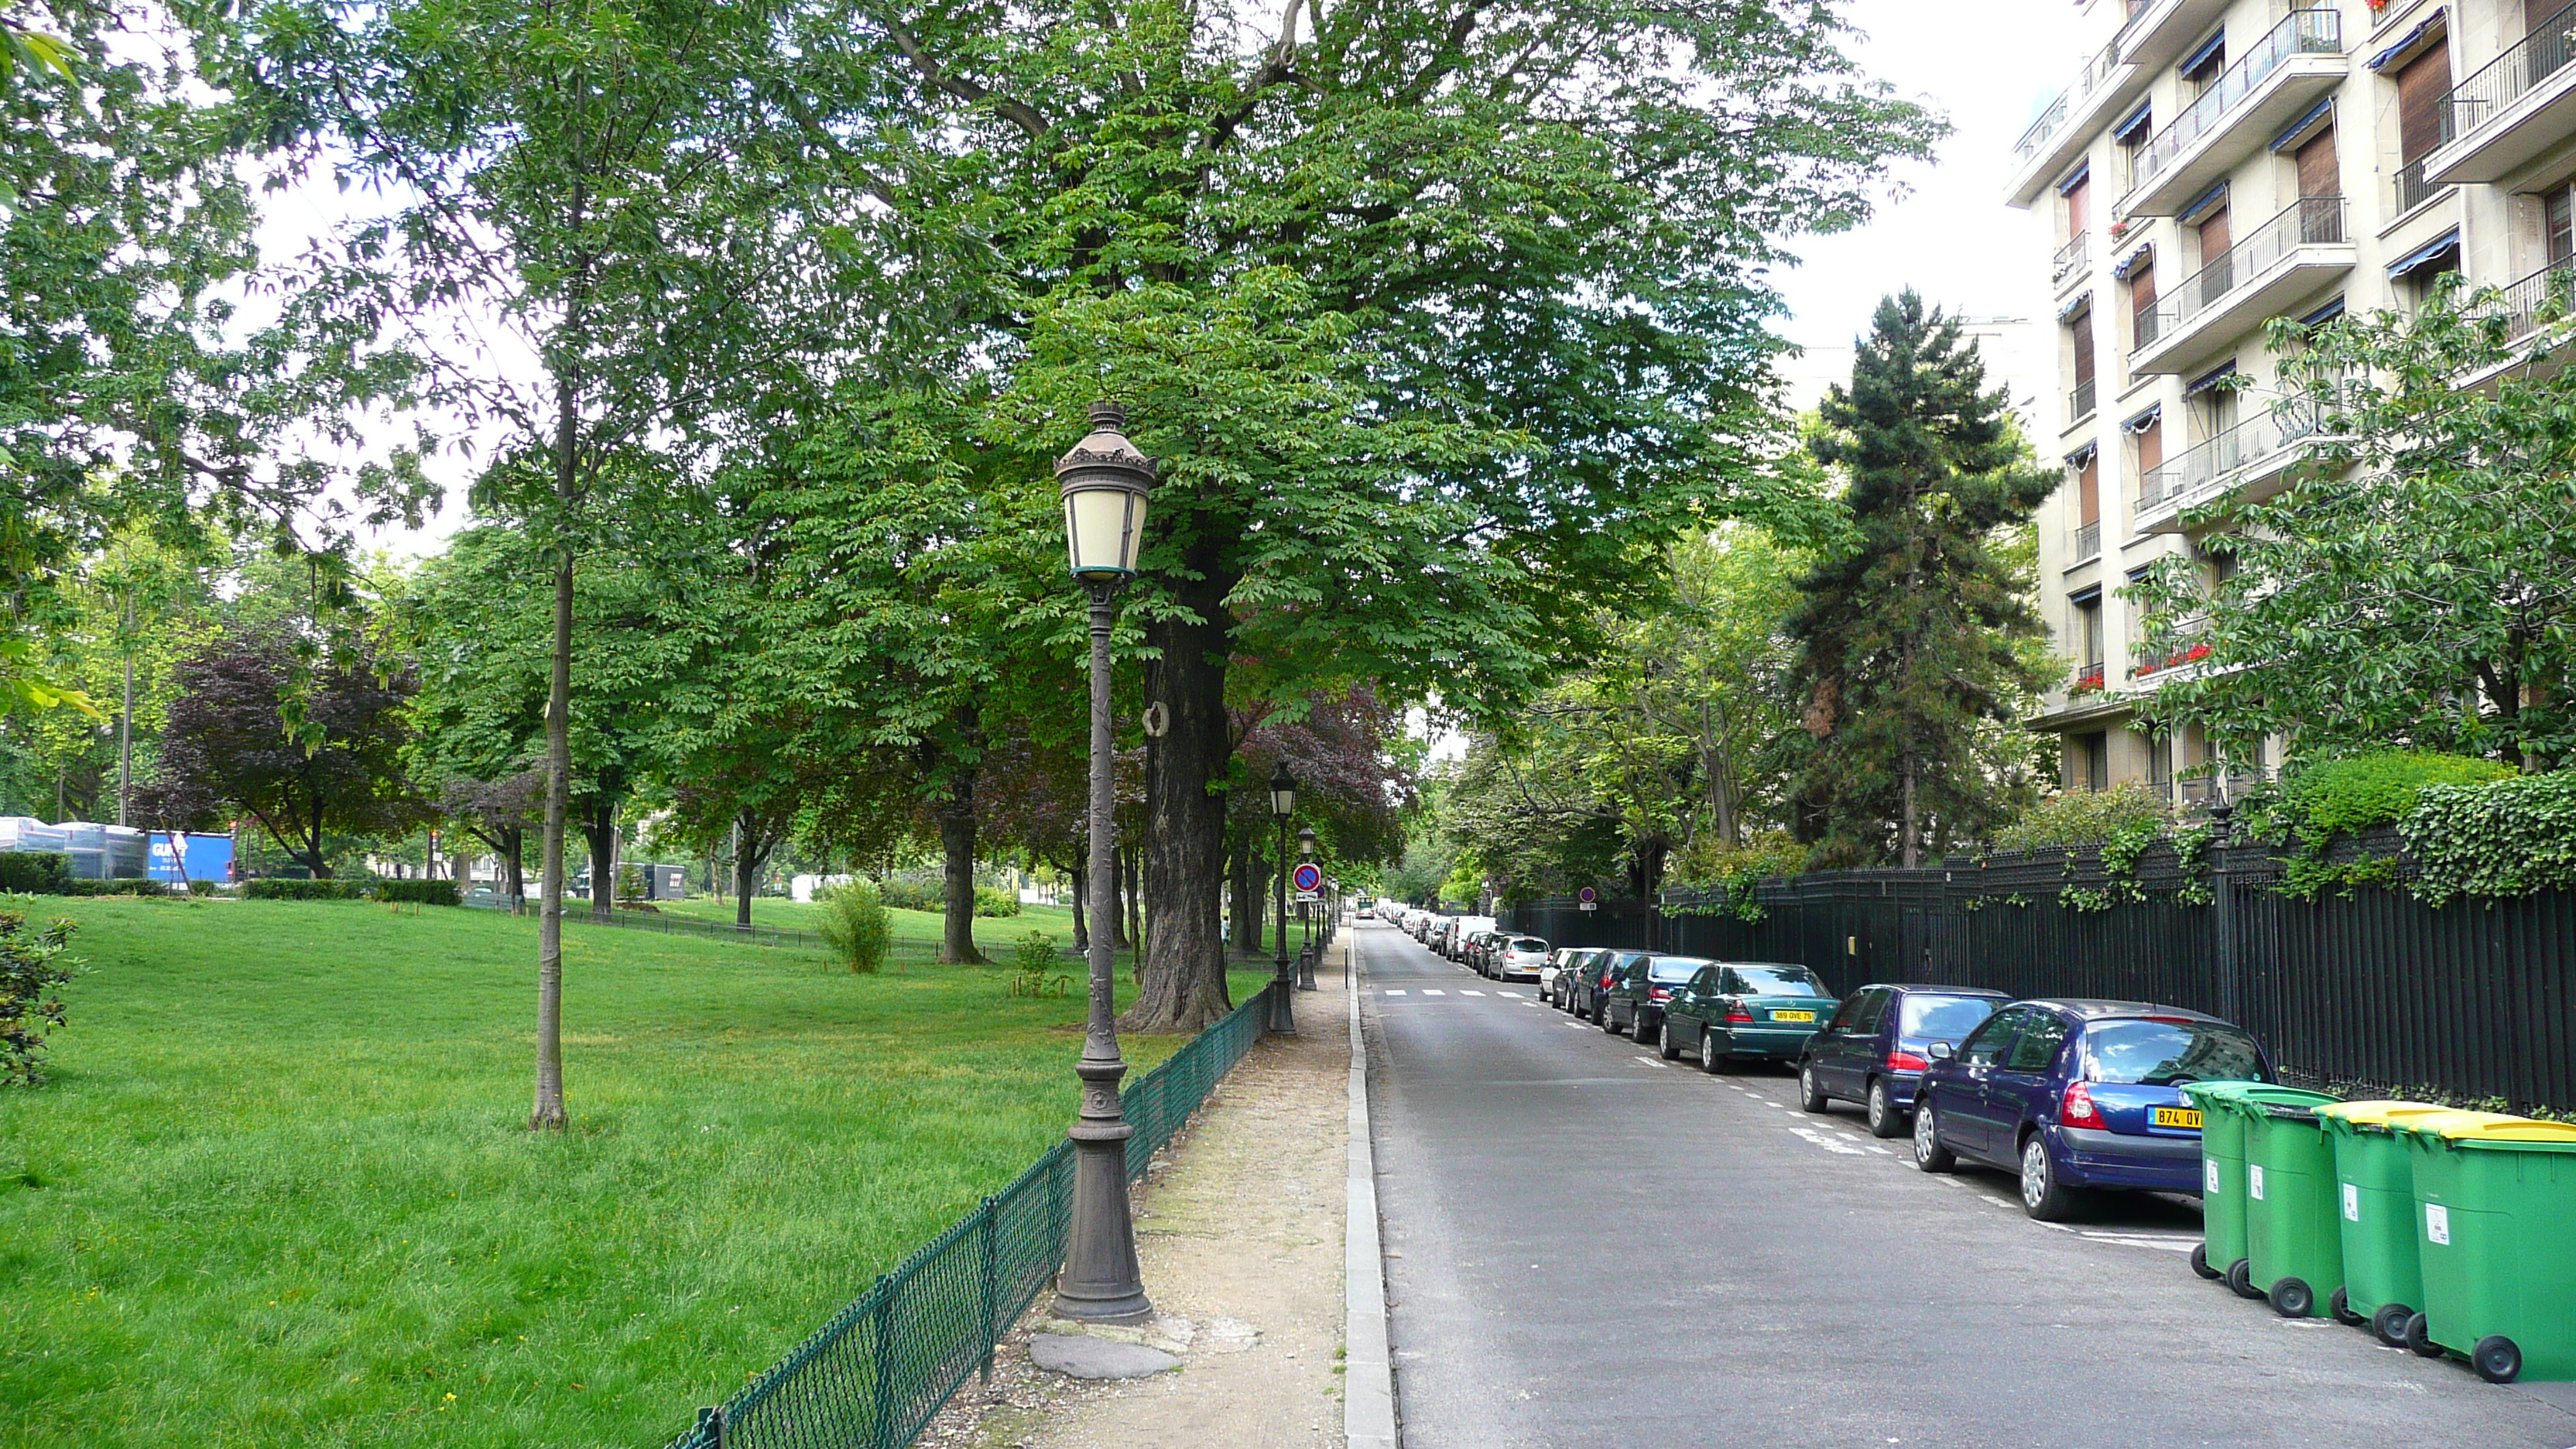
{"x": 1588, "y": 1247}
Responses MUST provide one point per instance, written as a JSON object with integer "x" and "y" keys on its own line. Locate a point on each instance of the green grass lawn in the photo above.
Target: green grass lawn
{"x": 279, "y": 1190}
{"x": 995, "y": 935}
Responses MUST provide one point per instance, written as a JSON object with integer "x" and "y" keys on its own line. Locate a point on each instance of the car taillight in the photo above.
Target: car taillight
{"x": 1659, "y": 993}
{"x": 2078, "y": 1109}
{"x": 1736, "y": 1014}
{"x": 1906, "y": 1062}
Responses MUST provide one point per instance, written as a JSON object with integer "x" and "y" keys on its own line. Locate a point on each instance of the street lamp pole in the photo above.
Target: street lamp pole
{"x": 1283, "y": 803}
{"x": 1105, "y": 483}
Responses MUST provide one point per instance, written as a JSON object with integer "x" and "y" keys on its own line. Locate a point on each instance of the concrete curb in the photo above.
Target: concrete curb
{"x": 1368, "y": 1368}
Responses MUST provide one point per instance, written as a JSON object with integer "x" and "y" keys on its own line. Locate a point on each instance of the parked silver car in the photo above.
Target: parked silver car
{"x": 1519, "y": 958}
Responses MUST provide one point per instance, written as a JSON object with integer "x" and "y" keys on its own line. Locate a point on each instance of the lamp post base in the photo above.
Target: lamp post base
{"x": 1283, "y": 1014}
{"x": 1102, "y": 1281}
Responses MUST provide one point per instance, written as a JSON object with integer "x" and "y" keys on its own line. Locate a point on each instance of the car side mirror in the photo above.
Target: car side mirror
{"x": 1938, "y": 1051}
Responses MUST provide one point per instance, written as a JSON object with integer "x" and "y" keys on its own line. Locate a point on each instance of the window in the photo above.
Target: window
{"x": 2079, "y": 333}
{"x": 2149, "y": 435}
{"x": 1773, "y": 981}
{"x": 2079, "y": 206}
{"x": 2201, "y": 69}
{"x": 2559, "y": 210}
{"x": 1989, "y": 1041}
{"x": 2320, "y": 171}
{"x": 2084, "y": 632}
{"x": 2160, "y": 772}
{"x": 2131, "y": 136}
{"x": 2212, "y": 401}
{"x": 2168, "y": 1053}
{"x": 2095, "y": 751}
{"x": 2142, "y": 302}
{"x": 2035, "y": 1050}
{"x": 2422, "y": 87}
{"x": 1873, "y": 1012}
{"x": 1942, "y": 1018}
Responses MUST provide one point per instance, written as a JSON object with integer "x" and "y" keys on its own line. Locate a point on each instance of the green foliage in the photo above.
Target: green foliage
{"x": 116, "y": 888}
{"x": 855, "y": 925}
{"x": 280, "y": 889}
{"x": 906, "y": 894}
{"x": 35, "y": 872}
{"x": 1034, "y": 957}
{"x": 2502, "y": 838}
{"x": 201, "y": 888}
{"x": 418, "y": 892}
{"x": 2416, "y": 583}
{"x": 2075, "y": 819}
{"x": 2327, "y": 798}
{"x": 32, "y": 970}
{"x": 1914, "y": 660}
{"x": 1737, "y": 870}
{"x": 994, "y": 901}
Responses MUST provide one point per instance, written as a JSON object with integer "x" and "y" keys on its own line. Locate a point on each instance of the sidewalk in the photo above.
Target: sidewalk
{"x": 1240, "y": 1230}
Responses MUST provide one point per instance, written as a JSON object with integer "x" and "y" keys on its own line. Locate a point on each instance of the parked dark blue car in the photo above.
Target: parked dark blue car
{"x": 2076, "y": 1095}
{"x": 1875, "y": 1049}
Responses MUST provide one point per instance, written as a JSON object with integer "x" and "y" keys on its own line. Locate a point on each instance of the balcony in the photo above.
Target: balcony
{"x": 2544, "y": 299}
{"x": 2087, "y": 544}
{"x": 2511, "y": 109}
{"x": 2073, "y": 262}
{"x": 2282, "y": 261}
{"x": 2178, "y": 658}
{"x": 2249, "y": 462}
{"x": 2079, "y": 402}
{"x": 2413, "y": 188}
{"x": 2158, "y": 32}
{"x": 2295, "y": 63}
{"x": 2057, "y": 139}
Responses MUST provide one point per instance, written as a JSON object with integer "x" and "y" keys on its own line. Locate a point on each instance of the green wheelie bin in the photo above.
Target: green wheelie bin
{"x": 2293, "y": 1238}
{"x": 2382, "y": 1282}
{"x": 2222, "y": 1179}
{"x": 2496, "y": 1203}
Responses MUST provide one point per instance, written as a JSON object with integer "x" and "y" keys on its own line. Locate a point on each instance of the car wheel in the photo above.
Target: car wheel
{"x": 1711, "y": 1060}
{"x": 2200, "y": 1262}
{"x": 1666, "y": 1045}
{"x": 2339, "y": 1308}
{"x": 1810, "y": 1095}
{"x": 2419, "y": 1337}
{"x": 2240, "y": 1279}
{"x": 2293, "y": 1298}
{"x": 2497, "y": 1359}
{"x": 2042, "y": 1196}
{"x": 1929, "y": 1154}
{"x": 2388, "y": 1325}
{"x": 1609, "y": 1023}
{"x": 1884, "y": 1119}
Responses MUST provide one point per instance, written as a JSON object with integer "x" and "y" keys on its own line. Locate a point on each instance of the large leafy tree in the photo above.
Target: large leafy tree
{"x": 1430, "y": 315}
{"x": 1909, "y": 634}
{"x": 2416, "y": 583}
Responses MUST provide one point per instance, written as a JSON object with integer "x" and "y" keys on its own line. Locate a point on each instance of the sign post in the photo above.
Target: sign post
{"x": 1587, "y": 899}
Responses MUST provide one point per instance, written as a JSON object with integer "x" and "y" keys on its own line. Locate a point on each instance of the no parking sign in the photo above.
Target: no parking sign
{"x": 1587, "y": 899}
{"x": 1309, "y": 879}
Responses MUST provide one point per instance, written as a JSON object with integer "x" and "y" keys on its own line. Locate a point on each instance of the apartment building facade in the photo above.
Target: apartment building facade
{"x": 2218, "y": 163}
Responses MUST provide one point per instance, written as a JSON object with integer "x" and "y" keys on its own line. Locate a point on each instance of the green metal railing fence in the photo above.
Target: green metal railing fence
{"x": 874, "y": 1376}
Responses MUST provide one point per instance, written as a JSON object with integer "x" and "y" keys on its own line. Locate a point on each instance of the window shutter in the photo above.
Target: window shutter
{"x": 2151, "y": 446}
{"x": 2079, "y": 208}
{"x": 2421, "y": 87}
{"x": 2082, "y": 327}
{"x": 2319, "y": 175}
{"x": 2088, "y": 490}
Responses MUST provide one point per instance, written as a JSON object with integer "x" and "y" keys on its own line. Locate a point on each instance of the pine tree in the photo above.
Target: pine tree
{"x": 1907, "y": 661}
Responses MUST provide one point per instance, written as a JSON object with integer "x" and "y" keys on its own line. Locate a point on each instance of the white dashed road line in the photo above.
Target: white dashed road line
{"x": 1433, "y": 991}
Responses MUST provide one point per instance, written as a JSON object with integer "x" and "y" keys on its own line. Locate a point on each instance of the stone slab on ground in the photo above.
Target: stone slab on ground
{"x": 1082, "y": 1356}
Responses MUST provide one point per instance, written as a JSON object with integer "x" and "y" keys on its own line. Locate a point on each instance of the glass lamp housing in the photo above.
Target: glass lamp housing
{"x": 1105, "y": 484}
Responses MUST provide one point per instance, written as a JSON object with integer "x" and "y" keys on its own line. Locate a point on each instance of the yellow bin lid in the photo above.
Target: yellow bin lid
{"x": 2512, "y": 1132}
{"x": 2378, "y": 1114}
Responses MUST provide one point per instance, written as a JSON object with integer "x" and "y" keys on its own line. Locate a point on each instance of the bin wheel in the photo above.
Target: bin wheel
{"x": 2200, "y": 1261}
{"x": 2497, "y": 1359}
{"x": 2292, "y": 1298}
{"x": 2340, "y": 1308}
{"x": 2240, "y": 1278}
{"x": 2388, "y": 1325}
{"x": 2419, "y": 1337}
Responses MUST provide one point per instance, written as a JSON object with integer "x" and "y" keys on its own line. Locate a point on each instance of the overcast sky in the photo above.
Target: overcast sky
{"x": 1986, "y": 64}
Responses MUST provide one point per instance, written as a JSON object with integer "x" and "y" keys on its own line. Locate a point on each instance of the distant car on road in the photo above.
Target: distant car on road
{"x": 1588, "y": 993}
{"x": 1552, "y": 970}
{"x": 1645, "y": 986}
{"x": 1748, "y": 1011}
{"x": 1518, "y": 958}
{"x": 2079, "y": 1095}
{"x": 1874, "y": 1049}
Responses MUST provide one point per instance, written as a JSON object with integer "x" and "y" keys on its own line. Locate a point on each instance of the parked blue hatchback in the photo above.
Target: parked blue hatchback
{"x": 2078, "y": 1095}
{"x": 1874, "y": 1050}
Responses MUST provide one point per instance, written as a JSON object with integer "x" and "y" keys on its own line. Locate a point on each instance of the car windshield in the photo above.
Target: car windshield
{"x": 2169, "y": 1053}
{"x": 1944, "y": 1018}
{"x": 1529, "y": 943}
{"x": 1778, "y": 981}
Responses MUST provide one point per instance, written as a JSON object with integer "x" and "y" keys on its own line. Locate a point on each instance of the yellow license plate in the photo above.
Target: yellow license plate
{"x": 1793, "y": 1016}
{"x": 2176, "y": 1117}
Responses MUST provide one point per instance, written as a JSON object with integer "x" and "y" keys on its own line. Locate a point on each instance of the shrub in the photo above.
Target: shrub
{"x": 35, "y": 872}
{"x": 2077, "y": 819}
{"x": 116, "y": 888}
{"x": 201, "y": 887}
{"x": 1737, "y": 869}
{"x": 2327, "y": 798}
{"x": 855, "y": 925}
{"x": 1033, "y": 958}
{"x": 419, "y": 892}
{"x": 909, "y": 895}
{"x": 31, "y": 968}
{"x": 2502, "y": 838}
{"x": 992, "y": 902}
{"x": 304, "y": 890}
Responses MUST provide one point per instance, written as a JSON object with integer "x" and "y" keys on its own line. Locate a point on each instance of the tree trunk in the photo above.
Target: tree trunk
{"x": 601, "y": 829}
{"x": 1249, "y": 883}
{"x": 514, "y": 876}
{"x": 746, "y": 869}
{"x": 1911, "y": 853}
{"x": 957, "y": 847}
{"x": 1182, "y": 966}
{"x": 548, "y": 1114}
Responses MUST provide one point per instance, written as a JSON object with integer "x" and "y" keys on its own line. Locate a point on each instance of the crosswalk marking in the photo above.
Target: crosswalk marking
{"x": 1395, "y": 991}
{"x": 1433, "y": 991}
{"x": 1471, "y": 993}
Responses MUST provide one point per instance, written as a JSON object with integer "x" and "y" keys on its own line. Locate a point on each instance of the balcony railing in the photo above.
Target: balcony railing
{"x": 2214, "y": 786}
{"x": 2546, "y": 296}
{"x": 2180, "y": 651}
{"x": 2096, "y": 74}
{"x": 2206, "y": 470}
{"x": 2510, "y": 76}
{"x": 2413, "y": 190}
{"x": 2088, "y": 542}
{"x": 2309, "y": 221}
{"x": 2304, "y": 32}
{"x": 2079, "y": 403}
{"x": 2070, "y": 258}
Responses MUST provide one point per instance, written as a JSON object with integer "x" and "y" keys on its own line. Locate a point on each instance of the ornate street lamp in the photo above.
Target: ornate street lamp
{"x": 1283, "y": 803}
{"x": 1105, "y": 484}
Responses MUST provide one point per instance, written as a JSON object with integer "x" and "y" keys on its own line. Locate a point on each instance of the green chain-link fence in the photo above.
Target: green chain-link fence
{"x": 876, "y": 1374}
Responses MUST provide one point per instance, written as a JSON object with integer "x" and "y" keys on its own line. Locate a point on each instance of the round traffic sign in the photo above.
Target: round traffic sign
{"x": 1586, "y": 894}
{"x": 1309, "y": 877}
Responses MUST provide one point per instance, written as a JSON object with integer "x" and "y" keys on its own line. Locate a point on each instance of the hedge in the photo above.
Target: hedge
{"x": 423, "y": 892}
{"x": 35, "y": 872}
{"x": 115, "y": 888}
{"x": 304, "y": 890}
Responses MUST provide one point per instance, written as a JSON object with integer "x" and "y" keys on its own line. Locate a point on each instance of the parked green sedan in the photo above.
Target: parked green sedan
{"x": 1745, "y": 1010}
